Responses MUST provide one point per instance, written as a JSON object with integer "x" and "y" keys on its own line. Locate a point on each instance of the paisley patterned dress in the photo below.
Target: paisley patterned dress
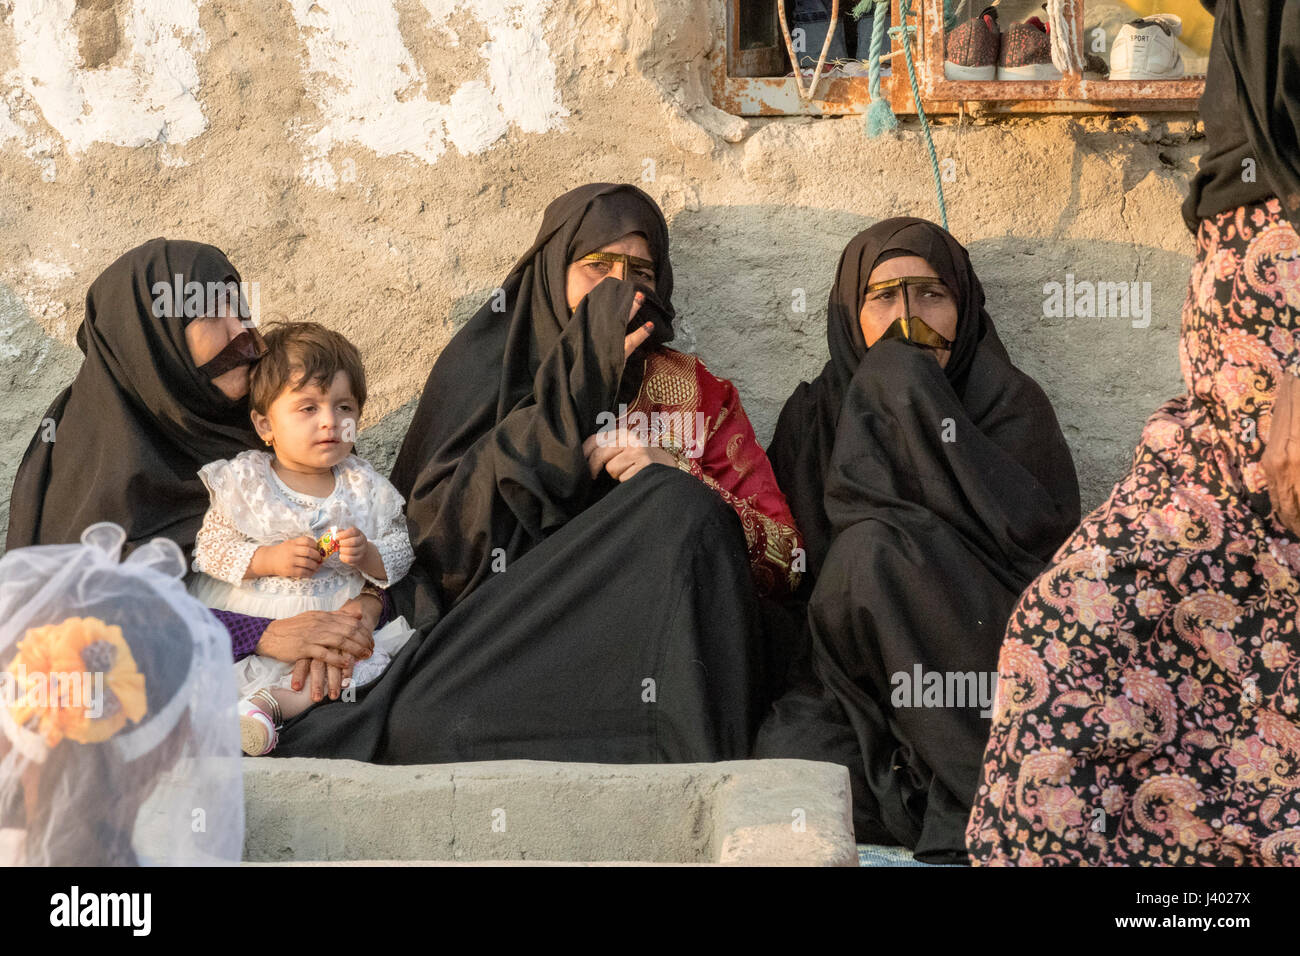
{"x": 1148, "y": 704}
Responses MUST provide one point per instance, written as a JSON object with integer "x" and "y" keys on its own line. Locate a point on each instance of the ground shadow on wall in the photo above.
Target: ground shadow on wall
{"x": 34, "y": 368}
{"x": 380, "y": 442}
{"x": 740, "y": 277}
{"x": 738, "y": 282}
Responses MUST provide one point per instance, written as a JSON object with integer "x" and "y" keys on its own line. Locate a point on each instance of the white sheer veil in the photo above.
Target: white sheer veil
{"x": 166, "y": 788}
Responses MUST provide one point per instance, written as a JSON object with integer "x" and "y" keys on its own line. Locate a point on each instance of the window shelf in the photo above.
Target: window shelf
{"x": 739, "y": 86}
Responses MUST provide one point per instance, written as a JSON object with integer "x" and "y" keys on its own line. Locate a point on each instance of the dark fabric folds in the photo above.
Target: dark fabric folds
{"x": 937, "y": 494}
{"x": 624, "y": 637}
{"x": 560, "y": 617}
{"x": 1250, "y": 110}
{"x": 138, "y": 421}
{"x": 805, "y": 431}
{"x": 1262, "y": 39}
{"x": 492, "y": 462}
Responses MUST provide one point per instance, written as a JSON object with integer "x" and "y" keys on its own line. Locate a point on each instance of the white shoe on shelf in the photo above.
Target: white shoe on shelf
{"x": 1147, "y": 49}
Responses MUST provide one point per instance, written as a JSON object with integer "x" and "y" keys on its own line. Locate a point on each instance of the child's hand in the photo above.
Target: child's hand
{"x": 297, "y": 558}
{"x": 353, "y": 546}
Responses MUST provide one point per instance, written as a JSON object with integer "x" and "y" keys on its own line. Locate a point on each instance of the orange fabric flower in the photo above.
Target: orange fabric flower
{"x": 58, "y": 687}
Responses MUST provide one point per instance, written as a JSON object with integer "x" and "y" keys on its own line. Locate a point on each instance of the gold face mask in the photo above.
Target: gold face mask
{"x": 634, "y": 267}
{"x": 908, "y": 327}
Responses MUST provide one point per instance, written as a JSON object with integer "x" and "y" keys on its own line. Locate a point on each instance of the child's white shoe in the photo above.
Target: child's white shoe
{"x": 257, "y": 733}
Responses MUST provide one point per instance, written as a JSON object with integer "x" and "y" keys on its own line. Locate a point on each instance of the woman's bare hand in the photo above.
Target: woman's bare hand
{"x": 633, "y": 340}
{"x": 337, "y": 638}
{"x": 1281, "y": 458}
{"x": 369, "y": 606}
{"x": 622, "y": 453}
{"x": 324, "y": 677}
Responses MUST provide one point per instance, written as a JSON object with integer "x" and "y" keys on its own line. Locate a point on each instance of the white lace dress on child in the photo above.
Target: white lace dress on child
{"x": 251, "y": 507}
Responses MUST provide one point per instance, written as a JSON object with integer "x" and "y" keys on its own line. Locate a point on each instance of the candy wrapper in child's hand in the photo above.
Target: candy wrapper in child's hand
{"x": 328, "y": 543}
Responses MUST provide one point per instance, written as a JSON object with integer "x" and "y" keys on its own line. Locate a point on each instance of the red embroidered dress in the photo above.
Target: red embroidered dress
{"x": 687, "y": 406}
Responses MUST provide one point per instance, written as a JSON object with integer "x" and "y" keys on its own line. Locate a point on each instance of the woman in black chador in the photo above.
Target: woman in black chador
{"x": 931, "y": 483}
{"x": 163, "y": 390}
{"x": 579, "y": 600}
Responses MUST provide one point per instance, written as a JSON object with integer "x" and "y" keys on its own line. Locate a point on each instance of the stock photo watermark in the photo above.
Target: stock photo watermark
{"x": 921, "y": 688}
{"x": 39, "y": 690}
{"x": 676, "y": 430}
{"x": 177, "y": 298}
{"x": 1086, "y": 299}
{"x": 129, "y": 910}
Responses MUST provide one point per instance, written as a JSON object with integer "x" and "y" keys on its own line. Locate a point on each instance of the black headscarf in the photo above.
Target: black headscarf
{"x": 801, "y": 447}
{"x": 939, "y": 494}
{"x": 138, "y": 421}
{"x": 1260, "y": 38}
{"x": 493, "y": 456}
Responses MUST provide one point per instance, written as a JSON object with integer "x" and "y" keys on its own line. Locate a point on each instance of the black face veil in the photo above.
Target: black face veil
{"x": 883, "y": 241}
{"x": 929, "y": 498}
{"x": 805, "y": 433}
{"x": 523, "y": 559}
{"x": 125, "y": 441}
{"x": 493, "y": 457}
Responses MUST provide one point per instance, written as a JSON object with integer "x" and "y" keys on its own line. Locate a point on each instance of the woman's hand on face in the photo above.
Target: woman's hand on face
{"x": 634, "y": 339}
{"x": 622, "y": 453}
{"x": 1281, "y": 458}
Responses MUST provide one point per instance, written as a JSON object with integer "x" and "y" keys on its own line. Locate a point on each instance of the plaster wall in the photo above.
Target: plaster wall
{"x": 377, "y": 165}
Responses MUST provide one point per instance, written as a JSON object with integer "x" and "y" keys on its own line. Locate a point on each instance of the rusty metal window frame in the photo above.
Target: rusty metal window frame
{"x": 750, "y": 95}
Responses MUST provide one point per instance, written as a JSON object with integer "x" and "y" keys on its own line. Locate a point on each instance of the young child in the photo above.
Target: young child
{"x": 304, "y": 526}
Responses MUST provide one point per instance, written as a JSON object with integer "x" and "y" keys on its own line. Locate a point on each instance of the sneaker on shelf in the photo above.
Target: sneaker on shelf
{"x": 1147, "y": 49}
{"x": 1027, "y": 53}
{"x": 971, "y": 51}
{"x": 257, "y": 733}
